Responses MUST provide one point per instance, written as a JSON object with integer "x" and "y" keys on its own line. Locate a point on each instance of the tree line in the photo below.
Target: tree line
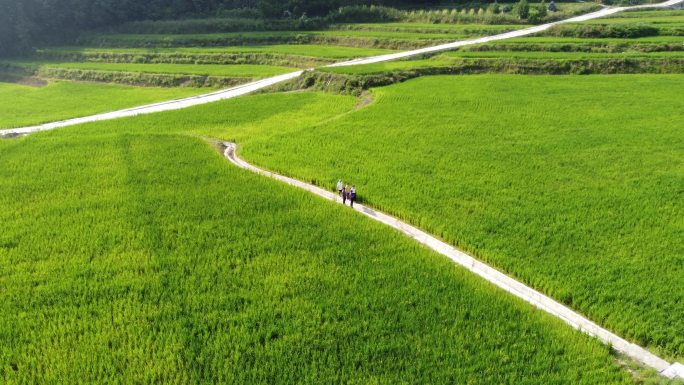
{"x": 25, "y": 24}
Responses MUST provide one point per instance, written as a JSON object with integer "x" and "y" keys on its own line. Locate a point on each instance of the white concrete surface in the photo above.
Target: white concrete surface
{"x": 675, "y": 370}
{"x": 487, "y": 272}
{"x": 250, "y": 87}
{"x": 508, "y": 35}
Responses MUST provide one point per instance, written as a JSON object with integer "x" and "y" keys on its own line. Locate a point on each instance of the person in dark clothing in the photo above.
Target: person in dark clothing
{"x": 344, "y": 195}
{"x": 352, "y": 196}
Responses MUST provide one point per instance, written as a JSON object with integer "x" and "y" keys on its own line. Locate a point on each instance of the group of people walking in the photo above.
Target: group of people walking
{"x": 347, "y": 193}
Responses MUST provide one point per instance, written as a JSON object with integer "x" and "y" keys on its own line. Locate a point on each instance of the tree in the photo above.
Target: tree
{"x": 541, "y": 10}
{"x": 523, "y": 9}
{"x": 494, "y": 8}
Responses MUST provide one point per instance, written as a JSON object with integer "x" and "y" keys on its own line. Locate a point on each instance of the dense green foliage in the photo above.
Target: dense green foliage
{"x": 25, "y": 105}
{"x": 26, "y": 24}
{"x": 131, "y": 254}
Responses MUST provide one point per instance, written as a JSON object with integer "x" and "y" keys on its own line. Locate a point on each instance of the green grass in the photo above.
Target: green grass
{"x": 24, "y": 105}
{"x": 135, "y": 254}
{"x": 649, "y": 17}
{"x": 324, "y": 51}
{"x": 449, "y": 59}
{"x": 559, "y": 55}
{"x": 572, "y": 184}
{"x": 230, "y": 70}
{"x": 657, "y": 13}
{"x": 551, "y": 40}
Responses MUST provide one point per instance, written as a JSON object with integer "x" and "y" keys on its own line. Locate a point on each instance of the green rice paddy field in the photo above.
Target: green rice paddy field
{"x": 27, "y": 105}
{"x": 134, "y": 253}
{"x": 569, "y": 183}
{"x": 573, "y": 184}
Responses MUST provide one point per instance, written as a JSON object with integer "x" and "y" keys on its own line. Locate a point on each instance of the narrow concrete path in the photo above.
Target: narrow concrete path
{"x": 260, "y": 84}
{"x": 487, "y": 272}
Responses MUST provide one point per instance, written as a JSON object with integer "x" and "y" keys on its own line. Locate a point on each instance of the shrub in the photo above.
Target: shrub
{"x": 522, "y": 9}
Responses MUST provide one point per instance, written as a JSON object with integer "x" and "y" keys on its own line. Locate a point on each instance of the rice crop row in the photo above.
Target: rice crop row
{"x": 413, "y": 28}
{"x": 321, "y": 51}
{"x": 497, "y": 62}
{"x": 236, "y": 70}
{"x": 133, "y": 254}
{"x": 562, "y": 55}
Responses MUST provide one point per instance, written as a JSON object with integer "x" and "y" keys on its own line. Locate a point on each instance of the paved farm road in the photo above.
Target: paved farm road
{"x": 251, "y": 87}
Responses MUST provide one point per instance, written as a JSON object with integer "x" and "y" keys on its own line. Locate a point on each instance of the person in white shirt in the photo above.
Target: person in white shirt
{"x": 340, "y": 187}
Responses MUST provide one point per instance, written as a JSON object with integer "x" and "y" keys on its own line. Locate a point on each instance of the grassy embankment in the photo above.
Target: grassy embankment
{"x": 133, "y": 253}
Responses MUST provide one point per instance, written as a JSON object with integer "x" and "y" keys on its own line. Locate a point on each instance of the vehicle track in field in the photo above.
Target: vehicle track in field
{"x": 263, "y": 83}
{"x": 503, "y": 281}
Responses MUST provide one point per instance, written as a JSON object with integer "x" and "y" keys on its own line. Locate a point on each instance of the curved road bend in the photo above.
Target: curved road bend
{"x": 257, "y": 85}
{"x": 518, "y": 289}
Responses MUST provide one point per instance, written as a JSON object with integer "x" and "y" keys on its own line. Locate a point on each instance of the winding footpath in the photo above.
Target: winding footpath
{"x": 520, "y": 290}
{"x": 514, "y": 287}
{"x": 263, "y": 83}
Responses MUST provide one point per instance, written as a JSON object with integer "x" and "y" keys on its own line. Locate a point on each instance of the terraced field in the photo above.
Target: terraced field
{"x": 194, "y": 271}
{"x": 28, "y": 105}
{"x": 323, "y": 51}
{"x": 251, "y": 71}
{"x": 561, "y": 54}
{"x": 387, "y": 35}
